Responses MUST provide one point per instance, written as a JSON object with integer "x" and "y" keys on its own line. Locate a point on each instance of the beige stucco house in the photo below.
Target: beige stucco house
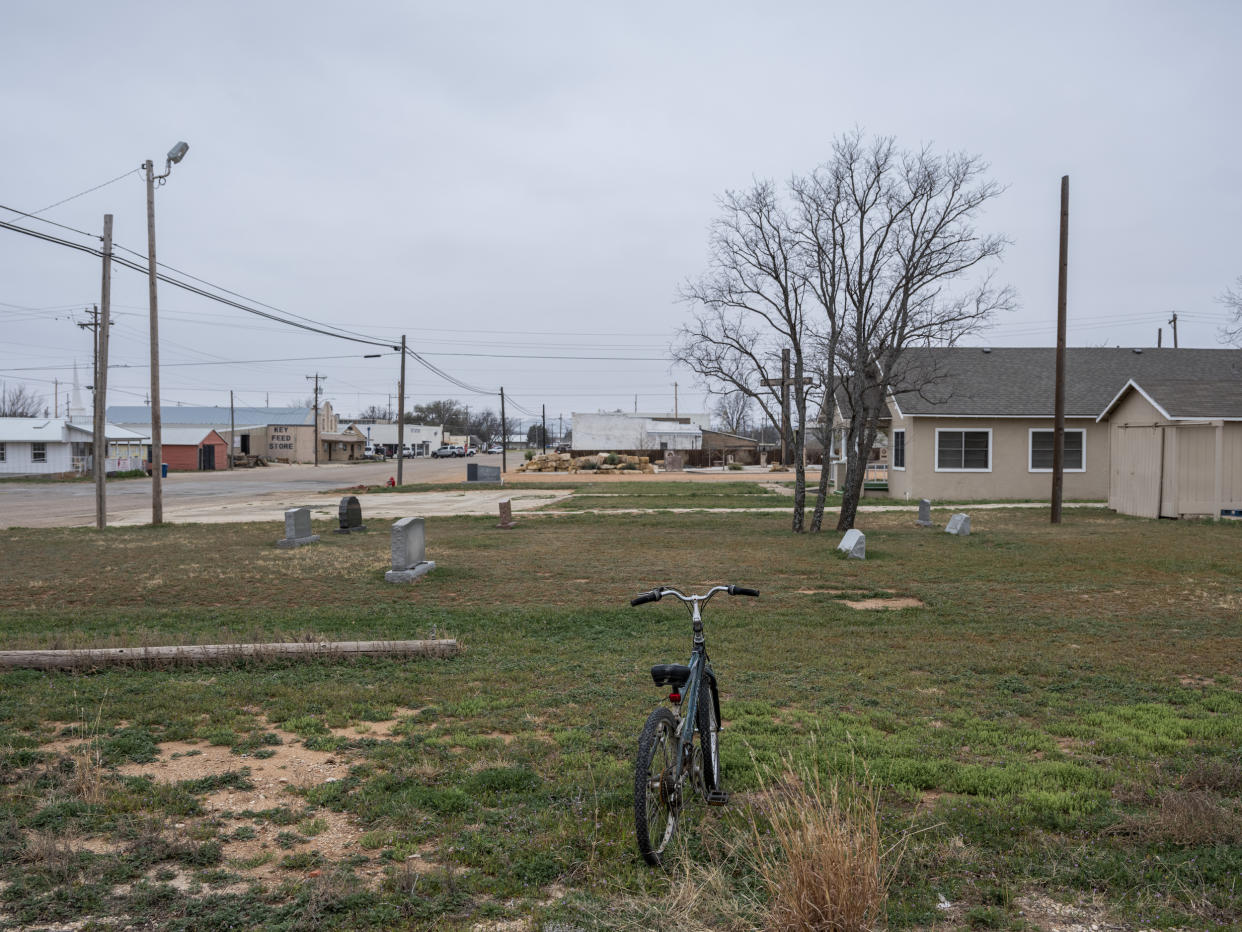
{"x": 977, "y": 423}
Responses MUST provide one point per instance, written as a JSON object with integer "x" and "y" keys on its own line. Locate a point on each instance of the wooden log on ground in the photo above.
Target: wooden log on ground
{"x": 86, "y": 658}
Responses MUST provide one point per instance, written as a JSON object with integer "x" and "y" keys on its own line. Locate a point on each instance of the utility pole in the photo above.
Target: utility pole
{"x": 544, "y": 429}
{"x": 232, "y": 429}
{"x": 400, "y": 414}
{"x": 157, "y": 447}
{"x": 56, "y": 397}
{"x": 560, "y": 427}
{"x": 317, "y": 377}
{"x": 676, "y": 413}
{"x": 1173, "y": 321}
{"x": 1058, "y": 430}
{"x": 176, "y": 154}
{"x": 100, "y": 441}
{"x": 504, "y": 435}
{"x": 1159, "y": 337}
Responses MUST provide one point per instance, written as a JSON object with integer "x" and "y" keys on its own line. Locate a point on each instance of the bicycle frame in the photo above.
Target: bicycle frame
{"x": 699, "y": 664}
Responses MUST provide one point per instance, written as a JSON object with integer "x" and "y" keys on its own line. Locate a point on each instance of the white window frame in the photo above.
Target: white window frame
{"x": 905, "y": 454}
{"x": 4, "y": 452}
{"x": 1030, "y": 447}
{"x": 35, "y": 452}
{"x": 960, "y": 430}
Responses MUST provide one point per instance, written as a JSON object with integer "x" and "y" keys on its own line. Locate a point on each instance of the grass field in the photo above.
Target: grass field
{"x": 1057, "y": 728}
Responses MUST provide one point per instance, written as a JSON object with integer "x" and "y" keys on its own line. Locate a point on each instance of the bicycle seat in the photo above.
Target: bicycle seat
{"x": 670, "y": 674}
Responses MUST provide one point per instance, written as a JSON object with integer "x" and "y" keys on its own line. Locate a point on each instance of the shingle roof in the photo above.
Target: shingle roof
{"x": 1020, "y": 382}
{"x": 1194, "y": 398}
{"x": 210, "y": 416}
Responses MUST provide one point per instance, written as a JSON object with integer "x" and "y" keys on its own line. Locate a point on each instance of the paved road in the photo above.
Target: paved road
{"x": 193, "y": 494}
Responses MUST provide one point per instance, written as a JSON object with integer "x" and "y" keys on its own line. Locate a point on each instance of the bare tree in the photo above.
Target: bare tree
{"x": 749, "y": 307}
{"x": 732, "y": 410}
{"x": 376, "y": 413}
{"x": 485, "y": 425}
{"x": 19, "y": 402}
{"x": 1232, "y": 299}
{"x": 903, "y": 225}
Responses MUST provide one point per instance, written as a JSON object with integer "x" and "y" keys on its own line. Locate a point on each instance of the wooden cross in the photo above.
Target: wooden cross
{"x": 784, "y": 382}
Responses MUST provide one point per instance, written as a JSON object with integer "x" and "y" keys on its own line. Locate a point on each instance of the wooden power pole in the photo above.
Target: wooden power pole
{"x": 504, "y": 435}
{"x": 317, "y": 377}
{"x": 1058, "y": 430}
{"x": 232, "y": 429}
{"x": 543, "y": 414}
{"x": 100, "y": 442}
{"x": 401, "y": 415}
{"x": 785, "y": 381}
{"x": 1173, "y": 322}
{"x": 157, "y": 447}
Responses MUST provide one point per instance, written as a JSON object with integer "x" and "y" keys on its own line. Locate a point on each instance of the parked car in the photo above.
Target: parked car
{"x": 495, "y": 448}
{"x": 375, "y": 451}
{"x": 471, "y": 451}
{"x": 446, "y": 450}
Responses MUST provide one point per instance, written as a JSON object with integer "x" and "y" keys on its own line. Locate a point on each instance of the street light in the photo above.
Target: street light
{"x": 175, "y": 155}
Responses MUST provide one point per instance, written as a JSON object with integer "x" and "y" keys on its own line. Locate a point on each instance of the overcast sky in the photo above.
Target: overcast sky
{"x": 504, "y": 181}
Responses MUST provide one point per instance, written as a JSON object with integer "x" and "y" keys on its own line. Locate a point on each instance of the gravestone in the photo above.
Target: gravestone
{"x": 350, "y": 514}
{"x": 476, "y": 472}
{"x": 924, "y": 513}
{"x": 506, "y": 514}
{"x": 297, "y": 529}
{"x": 959, "y": 524}
{"x": 674, "y": 462}
{"x": 409, "y": 551}
{"x": 854, "y": 543}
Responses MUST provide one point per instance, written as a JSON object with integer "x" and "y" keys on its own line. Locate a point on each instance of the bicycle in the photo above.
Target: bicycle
{"x": 668, "y": 754}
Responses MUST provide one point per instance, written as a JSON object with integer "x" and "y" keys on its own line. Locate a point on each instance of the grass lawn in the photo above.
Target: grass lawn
{"x": 1059, "y": 723}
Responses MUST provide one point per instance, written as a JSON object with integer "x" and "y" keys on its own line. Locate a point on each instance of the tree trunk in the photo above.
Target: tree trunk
{"x": 861, "y": 441}
{"x": 821, "y": 493}
{"x": 799, "y": 448}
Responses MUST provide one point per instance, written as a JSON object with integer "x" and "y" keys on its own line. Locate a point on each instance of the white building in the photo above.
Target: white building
{"x": 617, "y": 431}
{"x": 43, "y": 446}
{"x": 421, "y": 437}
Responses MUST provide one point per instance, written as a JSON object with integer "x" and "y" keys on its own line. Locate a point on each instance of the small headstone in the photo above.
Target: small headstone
{"x": 506, "y": 514}
{"x": 350, "y": 514}
{"x": 674, "y": 462}
{"x": 475, "y": 472}
{"x": 297, "y": 529}
{"x": 924, "y": 513}
{"x": 959, "y": 524}
{"x": 409, "y": 551}
{"x": 854, "y": 543}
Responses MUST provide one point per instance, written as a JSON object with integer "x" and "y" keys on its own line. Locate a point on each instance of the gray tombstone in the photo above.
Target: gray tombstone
{"x": 297, "y": 529}
{"x": 674, "y": 462}
{"x": 506, "y": 514}
{"x": 924, "y": 513}
{"x": 350, "y": 514}
{"x": 409, "y": 551}
{"x": 959, "y": 524}
{"x": 476, "y": 472}
{"x": 854, "y": 543}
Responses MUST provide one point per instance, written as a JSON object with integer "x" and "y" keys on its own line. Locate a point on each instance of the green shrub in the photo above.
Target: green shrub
{"x": 589, "y": 465}
{"x": 530, "y": 455}
{"x": 612, "y": 460}
{"x": 737, "y": 466}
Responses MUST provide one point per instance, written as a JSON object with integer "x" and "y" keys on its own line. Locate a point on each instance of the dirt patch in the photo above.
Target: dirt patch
{"x": 893, "y": 604}
{"x": 1047, "y": 914}
{"x": 1198, "y": 682}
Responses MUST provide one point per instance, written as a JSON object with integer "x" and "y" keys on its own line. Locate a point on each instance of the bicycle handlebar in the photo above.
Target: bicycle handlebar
{"x": 656, "y": 594}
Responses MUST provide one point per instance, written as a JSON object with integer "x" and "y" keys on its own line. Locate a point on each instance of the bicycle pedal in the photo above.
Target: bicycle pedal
{"x": 717, "y": 798}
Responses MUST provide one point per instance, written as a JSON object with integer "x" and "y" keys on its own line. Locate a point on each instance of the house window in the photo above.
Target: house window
{"x": 3, "y": 455}
{"x": 963, "y": 450}
{"x": 1040, "y": 451}
{"x": 899, "y": 449}
{"x": 38, "y": 452}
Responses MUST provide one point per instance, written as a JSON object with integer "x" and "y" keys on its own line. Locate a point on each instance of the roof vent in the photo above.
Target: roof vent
{"x": 1138, "y": 350}
{"x": 987, "y": 349}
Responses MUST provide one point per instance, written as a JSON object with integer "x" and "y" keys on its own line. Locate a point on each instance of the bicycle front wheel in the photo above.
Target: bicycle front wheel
{"x": 709, "y": 735}
{"x": 657, "y": 795}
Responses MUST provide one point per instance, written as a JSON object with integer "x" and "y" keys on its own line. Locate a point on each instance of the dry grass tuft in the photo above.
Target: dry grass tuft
{"x": 820, "y": 852}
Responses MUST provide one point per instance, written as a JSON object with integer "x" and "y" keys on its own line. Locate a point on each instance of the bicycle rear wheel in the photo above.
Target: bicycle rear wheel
{"x": 657, "y": 797}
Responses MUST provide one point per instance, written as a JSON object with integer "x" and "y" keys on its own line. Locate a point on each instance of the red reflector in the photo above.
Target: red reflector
{"x": 674, "y": 697}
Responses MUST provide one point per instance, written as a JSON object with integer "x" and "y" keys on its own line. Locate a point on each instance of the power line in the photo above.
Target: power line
{"x": 132, "y": 171}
